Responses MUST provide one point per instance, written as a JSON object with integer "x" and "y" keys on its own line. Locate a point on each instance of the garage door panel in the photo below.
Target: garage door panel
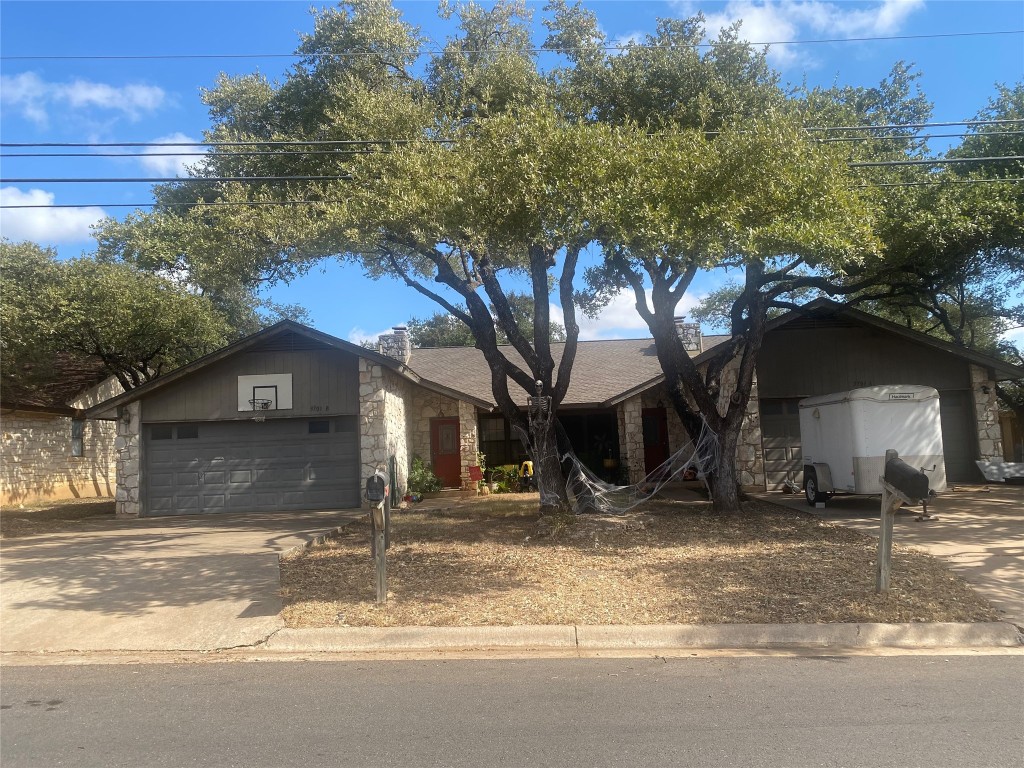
{"x": 245, "y": 466}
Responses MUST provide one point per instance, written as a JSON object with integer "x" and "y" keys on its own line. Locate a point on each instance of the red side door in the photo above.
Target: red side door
{"x": 655, "y": 422}
{"x": 444, "y": 451}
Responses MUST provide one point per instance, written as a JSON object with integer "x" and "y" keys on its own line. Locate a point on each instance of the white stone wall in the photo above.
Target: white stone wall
{"x": 128, "y": 446}
{"x": 37, "y": 464}
{"x": 631, "y": 438}
{"x": 373, "y": 446}
{"x": 397, "y": 393}
{"x": 469, "y": 443}
{"x": 986, "y": 413}
{"x": 425, "y": 406}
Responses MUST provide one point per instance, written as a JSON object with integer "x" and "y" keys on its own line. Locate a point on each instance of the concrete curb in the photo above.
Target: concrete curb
{"x": 715, "y": 636}
{"x": 421, "y": 638}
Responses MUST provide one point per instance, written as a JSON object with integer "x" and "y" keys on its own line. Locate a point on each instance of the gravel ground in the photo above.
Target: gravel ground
{"x": 493, "y": 562}
{"x": 52, "y": 517}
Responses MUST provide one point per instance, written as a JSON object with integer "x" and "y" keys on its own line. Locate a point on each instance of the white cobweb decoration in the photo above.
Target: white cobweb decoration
{"x": 588, "y": 493}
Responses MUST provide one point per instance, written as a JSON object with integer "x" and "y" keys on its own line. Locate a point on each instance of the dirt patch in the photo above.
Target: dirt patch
{"x": 52, "y": 517}
{"x": 493, "y": 562}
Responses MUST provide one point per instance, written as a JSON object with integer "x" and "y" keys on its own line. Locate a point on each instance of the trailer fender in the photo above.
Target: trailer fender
{"x": 824, "y": 476}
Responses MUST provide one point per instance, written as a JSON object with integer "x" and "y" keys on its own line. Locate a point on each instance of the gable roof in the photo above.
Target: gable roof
{"x": 602, "y": 372}
{"x": 278, "y": 332}
{"x": 823, "y": 308}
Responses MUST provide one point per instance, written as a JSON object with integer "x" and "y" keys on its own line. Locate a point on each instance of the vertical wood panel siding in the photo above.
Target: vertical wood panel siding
{"x": 324, "y": 382}
{"x": 808, "y": 362}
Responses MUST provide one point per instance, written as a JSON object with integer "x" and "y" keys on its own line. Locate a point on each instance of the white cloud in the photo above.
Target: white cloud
{"x": 46, "y": 226}
{"x": 767, "y": 20}
{"x": 357, "y": 335}
{"x": 619, "y": 320}
{"x": 34, "y": 96}
{"x": 160, "y": 162}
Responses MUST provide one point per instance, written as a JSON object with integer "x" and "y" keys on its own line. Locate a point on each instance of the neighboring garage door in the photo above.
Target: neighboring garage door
{"x": 246, "y": 466}
{"x": 959, "y": 440}
{"x": 780, "y": 436}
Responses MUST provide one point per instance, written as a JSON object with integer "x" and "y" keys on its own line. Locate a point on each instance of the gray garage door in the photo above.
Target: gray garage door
{"x": 959, "y": 441}
{"x": 780, "y": 435}
{"x": 244, "y": 466}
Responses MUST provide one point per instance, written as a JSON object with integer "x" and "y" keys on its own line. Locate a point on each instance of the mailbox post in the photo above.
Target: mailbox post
{"x": 901, "y": 484}
{"x": 378, "y": 489}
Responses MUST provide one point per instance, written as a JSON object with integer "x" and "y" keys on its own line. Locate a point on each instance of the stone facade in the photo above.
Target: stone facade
{"x": 986, "y": 412}
{"x": 631, "y": 437}
{"x": 469, "y": 444}
{"x": 128, "y": 445}
{"x": 397, "y": 393}
{"x": 37, "y": 464}
{"x": 373, "y": 439}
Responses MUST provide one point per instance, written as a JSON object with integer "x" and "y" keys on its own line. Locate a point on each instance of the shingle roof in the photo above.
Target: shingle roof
{"x": 602, "y": 370}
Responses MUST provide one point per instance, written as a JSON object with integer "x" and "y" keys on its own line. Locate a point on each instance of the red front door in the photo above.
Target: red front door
{"x": 655, "y": 422}
{"x": 444, "y": 451}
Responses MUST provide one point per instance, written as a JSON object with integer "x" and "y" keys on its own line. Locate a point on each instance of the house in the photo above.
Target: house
{"x": 49, "y": 450}
{"x": 291, "y": 418}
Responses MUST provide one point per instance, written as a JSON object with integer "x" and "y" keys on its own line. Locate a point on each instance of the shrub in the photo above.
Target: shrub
{"x": 421, "y": 478}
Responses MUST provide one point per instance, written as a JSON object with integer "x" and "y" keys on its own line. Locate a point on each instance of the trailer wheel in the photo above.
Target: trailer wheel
{"x": 814, "y": 496}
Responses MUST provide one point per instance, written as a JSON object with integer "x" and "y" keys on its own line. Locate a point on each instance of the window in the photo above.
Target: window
{"x": 160, "y": 432}
{"x": 77, "y": 437}
{"x": 319, "y": 427}
{"x": 188, "y": 431}
{"x": 492, "y": 428}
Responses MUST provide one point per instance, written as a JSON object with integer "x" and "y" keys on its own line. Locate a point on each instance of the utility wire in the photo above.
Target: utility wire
{"x": 434, "y": 51}
{"x": 235, "y": 203}
{"x": 362, "y": 142}
{"x": 347, "y": 152}
{"x": 347, "y": 177}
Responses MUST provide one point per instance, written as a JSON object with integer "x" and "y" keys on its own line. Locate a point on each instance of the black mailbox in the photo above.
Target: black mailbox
{"x": 377, "y": 486}
{"x": 911, "y": 482}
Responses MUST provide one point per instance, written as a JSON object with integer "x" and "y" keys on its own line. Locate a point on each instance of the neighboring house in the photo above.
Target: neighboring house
{"x": 191, "y": 441}
{"x": 49, "y": 451}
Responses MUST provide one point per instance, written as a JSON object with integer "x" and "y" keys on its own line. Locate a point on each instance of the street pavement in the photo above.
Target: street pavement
{"x": 977, "y": 530}
{"x": 821, "y": 712}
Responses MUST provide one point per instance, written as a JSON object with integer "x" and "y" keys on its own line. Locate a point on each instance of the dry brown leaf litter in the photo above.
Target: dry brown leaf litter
{"x": 52, "y": 517}
{"x": 672, "y": 563}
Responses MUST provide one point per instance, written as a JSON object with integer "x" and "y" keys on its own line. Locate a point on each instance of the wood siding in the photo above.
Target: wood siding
{"x": 816, "y": 361}
{"x": 325, "y": 382}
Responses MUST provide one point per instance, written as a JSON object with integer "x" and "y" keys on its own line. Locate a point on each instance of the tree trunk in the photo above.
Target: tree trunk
{"x": 547, "y": 467}
{"x": 725, "y": 498}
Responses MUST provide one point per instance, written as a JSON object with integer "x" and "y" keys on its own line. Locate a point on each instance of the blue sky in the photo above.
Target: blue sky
{"x": 107, "y": 100}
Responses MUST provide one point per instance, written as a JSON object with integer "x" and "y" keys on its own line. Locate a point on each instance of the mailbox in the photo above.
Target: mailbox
{"x": 909, "y": 481}
{"x": 377, "y": 487}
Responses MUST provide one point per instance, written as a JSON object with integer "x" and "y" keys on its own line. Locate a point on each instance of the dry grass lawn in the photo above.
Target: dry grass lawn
{"x": 493, "y": 562}
{"x": 52, "y": 516}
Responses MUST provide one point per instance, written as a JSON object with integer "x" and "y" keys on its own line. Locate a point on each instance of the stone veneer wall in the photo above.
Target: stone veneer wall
{"x": 428, "y": 405}
{"x": 397, "y": 392}
{"x": 469, "y": 443}
{"x": 986, "y": 413}
{"x": 750, "y": 450}
{"x": 631, "y": 437}
{"x": 37, "y": 464}
{"x": 128, "y": 445}
{"x": 373, "y": 442}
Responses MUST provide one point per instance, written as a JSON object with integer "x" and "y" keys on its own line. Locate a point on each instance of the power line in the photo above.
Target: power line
{"x": 235, "y": 203}
{"x": 434, "y": 51}
{"x": 937, "y": 161}
{"x": 347, "y": 177}
{"x": 348, "y": 152}
{"x": 172, "y": 179}
{"x": 425, "y": 140}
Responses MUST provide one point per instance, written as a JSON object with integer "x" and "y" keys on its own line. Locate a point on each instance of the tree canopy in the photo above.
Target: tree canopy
{"x": 135, "y": 323}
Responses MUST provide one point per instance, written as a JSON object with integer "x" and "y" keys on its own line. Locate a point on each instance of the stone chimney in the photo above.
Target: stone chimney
{"x": 693, "y": 341}
{"x": 396, "y": 345}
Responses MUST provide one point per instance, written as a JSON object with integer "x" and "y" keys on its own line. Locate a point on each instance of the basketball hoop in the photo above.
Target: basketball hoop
{"x": 260, "y": 406}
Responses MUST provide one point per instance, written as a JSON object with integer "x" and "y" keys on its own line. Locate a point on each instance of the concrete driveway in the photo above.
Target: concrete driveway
{"x": 167, "y": 583}
{"x": 978, "y": 531}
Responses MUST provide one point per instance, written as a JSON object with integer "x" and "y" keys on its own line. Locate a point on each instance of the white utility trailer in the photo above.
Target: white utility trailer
{"x": 844, "y": 437}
